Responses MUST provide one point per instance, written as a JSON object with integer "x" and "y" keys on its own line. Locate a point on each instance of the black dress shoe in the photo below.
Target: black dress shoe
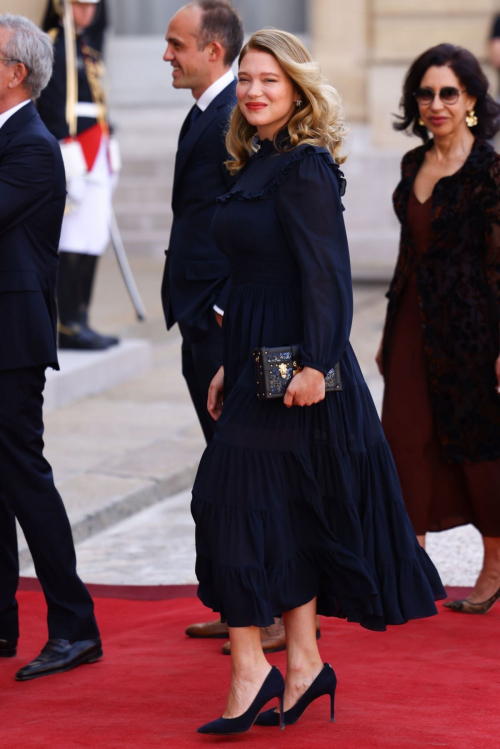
{"x": 8, "y": 648}
{"x": 61, "y": 655}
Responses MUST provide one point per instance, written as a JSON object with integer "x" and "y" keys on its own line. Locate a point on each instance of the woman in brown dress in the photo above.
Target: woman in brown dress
{"x": 440, "y": 350}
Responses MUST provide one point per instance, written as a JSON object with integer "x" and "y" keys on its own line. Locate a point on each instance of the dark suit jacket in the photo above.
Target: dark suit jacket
{"x": 32, "y": 199}
{"x": 196, "y": 272}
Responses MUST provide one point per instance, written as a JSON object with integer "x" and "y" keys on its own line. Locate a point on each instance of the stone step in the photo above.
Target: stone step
{"x": 150, "y": 243}
{"x": 137, "y": 208}
{"x": 156, "y": 546}
{"x": 151, "y": 169}
{"x": 144, "y": 221}
{"x": 142, "y": 182}
{"x": 89, "y": 513}
{"x": 146, "y": 196}
{"x": 85, "y": 373}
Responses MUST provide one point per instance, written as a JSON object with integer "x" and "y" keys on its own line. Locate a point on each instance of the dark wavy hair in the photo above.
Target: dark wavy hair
{"x": 468, "y": 71}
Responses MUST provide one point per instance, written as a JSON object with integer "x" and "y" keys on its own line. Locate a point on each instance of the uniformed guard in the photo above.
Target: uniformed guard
{"x": 73, "y": 107}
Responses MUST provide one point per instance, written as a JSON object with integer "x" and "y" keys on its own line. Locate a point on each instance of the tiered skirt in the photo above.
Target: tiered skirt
{"x": 292, "y": 504}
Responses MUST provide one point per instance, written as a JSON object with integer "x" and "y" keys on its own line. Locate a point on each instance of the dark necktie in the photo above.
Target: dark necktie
{"x": 190, "y": 120}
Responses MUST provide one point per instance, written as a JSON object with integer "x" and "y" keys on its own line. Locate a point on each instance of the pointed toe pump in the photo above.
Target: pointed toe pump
{"x": 324, "y": 684}
{"x": 466, "y": 607}
{"x": 273, "y": 686}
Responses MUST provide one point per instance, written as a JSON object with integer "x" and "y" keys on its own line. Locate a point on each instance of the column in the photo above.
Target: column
{"x": 339, "y": 31}
{"x": 32, "y": 9}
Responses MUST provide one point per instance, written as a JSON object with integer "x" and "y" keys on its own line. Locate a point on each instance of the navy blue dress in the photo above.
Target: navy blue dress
{"x": 295, "y": 503}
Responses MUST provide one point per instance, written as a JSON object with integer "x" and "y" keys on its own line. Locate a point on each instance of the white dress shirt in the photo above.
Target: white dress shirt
{"x": 214, "y": 90}
{"x": 204, "y": 102}
{"x": 8, "y": 114}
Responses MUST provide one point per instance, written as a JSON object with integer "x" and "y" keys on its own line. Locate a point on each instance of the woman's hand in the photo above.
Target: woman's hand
{"x": 378, "y": 358}
{"x": 497, "y": 372}
{"x": 215, "y": 395}
{"x": 306, "y": 388}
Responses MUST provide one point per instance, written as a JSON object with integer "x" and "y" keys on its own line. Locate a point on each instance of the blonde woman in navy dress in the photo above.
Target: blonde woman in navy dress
{"x": 297, "y": 503}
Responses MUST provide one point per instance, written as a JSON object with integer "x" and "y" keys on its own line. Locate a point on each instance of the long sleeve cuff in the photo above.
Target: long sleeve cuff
{"x": 314, "y": 365}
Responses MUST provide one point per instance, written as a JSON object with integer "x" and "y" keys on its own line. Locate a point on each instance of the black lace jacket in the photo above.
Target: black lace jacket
{"x": 459, "y": 294}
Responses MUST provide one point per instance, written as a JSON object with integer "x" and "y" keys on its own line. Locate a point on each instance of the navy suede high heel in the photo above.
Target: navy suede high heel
{"x": 273, "y": 686}
{"x": 324, "y": 684}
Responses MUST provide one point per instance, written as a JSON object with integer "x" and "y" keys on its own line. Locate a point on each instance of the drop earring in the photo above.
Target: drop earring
{"x": 471, "y": 119}
{"x": 298, "y": 102}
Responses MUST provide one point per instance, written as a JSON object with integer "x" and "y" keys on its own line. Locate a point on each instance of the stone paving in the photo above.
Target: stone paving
{"x": 154, "y": 547}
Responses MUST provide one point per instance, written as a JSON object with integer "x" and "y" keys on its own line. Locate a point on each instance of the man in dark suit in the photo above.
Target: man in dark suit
{"x": 32, "y": 199}
{"x": 204, "y": 38}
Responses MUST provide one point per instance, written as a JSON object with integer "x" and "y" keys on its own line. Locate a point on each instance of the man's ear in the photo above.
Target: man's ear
{"x": 215, "y": 51}
{"x": 19, "y": 75}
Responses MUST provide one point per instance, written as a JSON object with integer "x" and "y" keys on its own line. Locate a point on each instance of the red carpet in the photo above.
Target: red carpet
{"x": 431, "y": 683}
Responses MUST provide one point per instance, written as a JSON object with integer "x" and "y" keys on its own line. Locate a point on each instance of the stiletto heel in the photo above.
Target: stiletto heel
{"x": 282, "y": 710}
{"x": 324, "y": 684}
{"x": 273, "y": 686}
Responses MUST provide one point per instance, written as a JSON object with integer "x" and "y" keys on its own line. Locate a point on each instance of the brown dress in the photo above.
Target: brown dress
{"x": 438, "y": 495}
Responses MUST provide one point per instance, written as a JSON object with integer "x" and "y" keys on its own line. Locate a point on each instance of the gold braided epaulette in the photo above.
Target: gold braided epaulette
{"x": 54, "y": 33}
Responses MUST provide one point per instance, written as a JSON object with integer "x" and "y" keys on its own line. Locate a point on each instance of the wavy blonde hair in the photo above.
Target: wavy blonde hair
{"x": 319, "y": 120}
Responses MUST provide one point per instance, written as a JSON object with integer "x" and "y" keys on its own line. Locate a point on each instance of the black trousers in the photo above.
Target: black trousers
{"x": 201, "y": 359}
{"x": 27, "y": 492}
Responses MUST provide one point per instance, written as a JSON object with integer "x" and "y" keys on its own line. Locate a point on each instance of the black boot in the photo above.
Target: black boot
{"x": 88, "y": 267}
{"x": 74, "y": 292}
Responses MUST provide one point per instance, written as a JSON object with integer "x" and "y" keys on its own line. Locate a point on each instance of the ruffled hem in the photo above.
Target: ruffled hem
{"x": 275, "y": 530}
{"x": 295, "y": 156}
{"x": 254, "y": 596}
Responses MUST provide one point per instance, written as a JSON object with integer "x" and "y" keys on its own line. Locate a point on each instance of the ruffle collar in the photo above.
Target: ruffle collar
{"x": 266, "y": 147}
{"x": 288, "y": 161}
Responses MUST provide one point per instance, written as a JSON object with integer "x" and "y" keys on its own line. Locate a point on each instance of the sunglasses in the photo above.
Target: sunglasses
{"x": 448, "y": 95}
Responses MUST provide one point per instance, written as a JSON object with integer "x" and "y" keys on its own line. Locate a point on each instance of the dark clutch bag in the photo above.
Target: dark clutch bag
{"x": 275, "y": 368}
